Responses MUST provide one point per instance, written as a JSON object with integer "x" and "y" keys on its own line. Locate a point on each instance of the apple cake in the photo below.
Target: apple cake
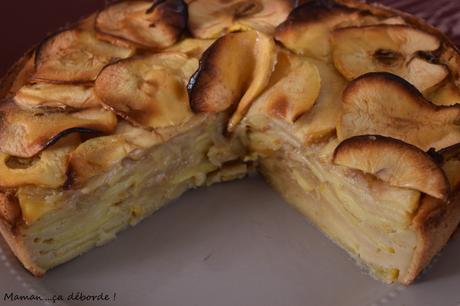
{"x": 347, "y": 109}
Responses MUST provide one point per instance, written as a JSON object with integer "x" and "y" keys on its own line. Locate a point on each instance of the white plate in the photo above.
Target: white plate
{"x": 233, "y": 244}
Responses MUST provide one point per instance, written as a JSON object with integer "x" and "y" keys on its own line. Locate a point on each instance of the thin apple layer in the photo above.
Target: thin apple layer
{"x": 61, "y": 224}
{"x": 337, "y": 206}
{"x": 367, "y": 217}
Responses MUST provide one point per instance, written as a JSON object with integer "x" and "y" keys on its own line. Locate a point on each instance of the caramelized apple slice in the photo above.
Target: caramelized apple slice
{"x": 395, "y": 162}
{"x": 321, "y": 121}
{"x": 96, "y": 156}
{"x": 307, "y": 29}
{"x": 234, "y": 70}
{"x": 448, "y": 94}
{"x": 193, "y": 47}
{"x": 74, "y": 56}
{"x": 385, "y": 104}
{"x": 47, "y": 170}
{"x": 451, "y": 165}
{"x": 390, "y": 48}
{"x": 24, "y": 133}
{"x": 294, "y": 88}
{"x": 45, "y": 95}
{"x": 149, "y": 91}
{"x": 212, "y": 19}
{"x": 154, "y": 25}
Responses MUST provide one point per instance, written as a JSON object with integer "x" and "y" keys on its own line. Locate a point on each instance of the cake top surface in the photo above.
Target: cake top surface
{"x": 135, "y": 73}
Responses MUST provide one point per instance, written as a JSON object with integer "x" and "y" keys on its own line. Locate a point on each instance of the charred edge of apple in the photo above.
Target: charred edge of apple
{"x": 449, "y": 152}
{"x": 358, "y": 142}
{"x": 173, "y": 12}
{"x": 69, "y": 131}
{"x": 168, "y": 14}
{"x": 317, "y": 10}
{"x": 194, "y": 84}
{"x": 393, "y": 80}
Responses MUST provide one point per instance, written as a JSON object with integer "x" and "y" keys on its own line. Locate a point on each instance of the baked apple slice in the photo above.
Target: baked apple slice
{"x": 150, "y": 91}
{"x": 25, "y": 133}
{"x": 307, "y": 29}
{"x": 390, "y": 48}
{"x": 232, "y": 73}
{"x": 294, "y": 88}
{"x": 395, "y": 162}
{"x": 158, "y": 24}
{"x": 193, "y": 47}
{"x": 96, "y": 156}
{"x": 47, "y": 170}
{"x": 320, "y": 122}
{"x": 212, "y": 19}
{"x": 74, "y": 56}
{"x": 62, "y": 96}
{"x": 385, "y": 104}
{"x": 451, "y": 165}
{"x": 448, "y": 94}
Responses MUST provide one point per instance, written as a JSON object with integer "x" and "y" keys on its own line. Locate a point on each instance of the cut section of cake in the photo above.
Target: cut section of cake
{"x": 349, "y": 110}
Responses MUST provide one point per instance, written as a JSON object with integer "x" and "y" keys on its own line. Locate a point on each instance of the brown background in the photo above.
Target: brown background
{"x": 24, "y": 23}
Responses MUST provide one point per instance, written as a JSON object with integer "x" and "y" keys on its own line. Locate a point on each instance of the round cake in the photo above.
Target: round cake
{"x": 348, "y": 110}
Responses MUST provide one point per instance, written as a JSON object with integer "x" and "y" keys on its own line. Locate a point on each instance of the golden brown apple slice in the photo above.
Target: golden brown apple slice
{"x": 153, "y": 25}
{"x": 212, "y": 19}
{"x": 24, "y": 133}
{"x": 74, "y": 56}
{"x": 294, "y": 88}
{"x": 451, "y": 165}
{"x": 63, "y": 96}
{"x": 321, "y": 121}
{"x": 448, "y": 94}
{"x": 390, "y": 48}
{"x": 137, "y": 136}
{"x": 149, "y": 91}
{"x": 96, "y": 156}
{"x": 233, "y": 71}
{"x": 193, "y": 47}
{"x": 307, "y": 29}
{"x": 385, "y": 104}
{"x": 47, "y": 170}
{"x": 395, "y": 162}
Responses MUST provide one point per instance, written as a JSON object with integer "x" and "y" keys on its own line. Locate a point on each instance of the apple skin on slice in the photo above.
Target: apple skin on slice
{"x": 212, "y": 19}
{"x": 146, "y": 24}
{"x": 74, "y": 56}
{"x": 388, "y": 48}
{"x": 150, "y": 91}
{"x": 294, "y": 87}
{"x": 232, "y": 73}
{"x": 395, "y": 162}
{"x": 25, "y": 133}
{"x": 385, "y": 104}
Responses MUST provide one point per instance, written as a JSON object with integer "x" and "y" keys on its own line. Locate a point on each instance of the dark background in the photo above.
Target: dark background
{"x": 24, "y": 23}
